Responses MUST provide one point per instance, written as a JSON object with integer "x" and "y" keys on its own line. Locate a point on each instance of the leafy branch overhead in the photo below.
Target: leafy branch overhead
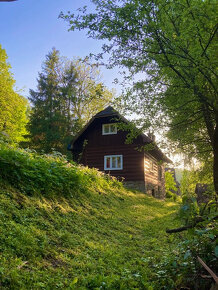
{"x": 169, "y": 49}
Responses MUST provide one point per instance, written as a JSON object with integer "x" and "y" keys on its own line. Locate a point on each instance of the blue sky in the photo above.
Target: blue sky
{"x": 30, "y": 28}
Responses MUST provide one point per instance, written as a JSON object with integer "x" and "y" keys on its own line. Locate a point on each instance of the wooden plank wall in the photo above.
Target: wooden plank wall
{"x": 152, "y": 181}
{"x": 151, "y": 176}
{"x": 133, "y": 161}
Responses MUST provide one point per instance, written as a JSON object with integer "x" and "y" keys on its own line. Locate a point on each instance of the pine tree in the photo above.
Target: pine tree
{"x": 69, "y": 93}
{"x": 47, "y": 122}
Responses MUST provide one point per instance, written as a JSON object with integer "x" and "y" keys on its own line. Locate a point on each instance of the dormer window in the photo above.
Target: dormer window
{"x": 109, "y": 129}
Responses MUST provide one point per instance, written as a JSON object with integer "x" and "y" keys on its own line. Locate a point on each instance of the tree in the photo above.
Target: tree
{"x": 69, "y": 93}
{"x": 173, "y": 45}
{"x": 47, "y": 121}
{"x": 85, "y": 93}
{"x": 170, "y": 184}
{"x": 13, "y": 107}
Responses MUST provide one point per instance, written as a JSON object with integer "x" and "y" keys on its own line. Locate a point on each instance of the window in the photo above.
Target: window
{"x": 151, "y": 165}
{"x": 113, "y": 162}
{"x": 109, "y": 129}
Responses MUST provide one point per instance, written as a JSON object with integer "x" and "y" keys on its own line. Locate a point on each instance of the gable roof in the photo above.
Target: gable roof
{"x": 110, "y": 111}
{"x": 107, "y": 112}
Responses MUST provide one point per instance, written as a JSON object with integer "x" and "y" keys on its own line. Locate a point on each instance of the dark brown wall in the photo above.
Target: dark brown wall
{"x": 133, "y": 161}
{"x": 99, "y": 145}
{"x": 95, "y": 138}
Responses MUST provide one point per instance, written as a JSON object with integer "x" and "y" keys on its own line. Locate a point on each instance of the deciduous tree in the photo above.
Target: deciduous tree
{"x": 69, "y": 93}
{"x": 13, "y": 107}
{"x": 172, "y": 44}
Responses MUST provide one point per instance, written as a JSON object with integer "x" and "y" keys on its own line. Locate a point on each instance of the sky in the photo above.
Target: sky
{"x": 29, "y": 29}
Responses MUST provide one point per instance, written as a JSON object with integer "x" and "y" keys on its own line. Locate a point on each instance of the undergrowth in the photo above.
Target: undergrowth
{"x": 96, "y": 241}
{"x": 49, "y": 174}
{"x": 64, "y": 226}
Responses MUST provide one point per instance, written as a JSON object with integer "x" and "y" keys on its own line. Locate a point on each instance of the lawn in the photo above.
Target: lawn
{"x": 110, "y": 239}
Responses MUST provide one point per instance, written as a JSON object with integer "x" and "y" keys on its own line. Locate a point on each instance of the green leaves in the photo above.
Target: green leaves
{"x": 69, "y": 93}
{"x": 167, "y": 50}
{"x": 13, "y": 107}
{"x": 48, "y": 174}
{"x": 216, "y": 251}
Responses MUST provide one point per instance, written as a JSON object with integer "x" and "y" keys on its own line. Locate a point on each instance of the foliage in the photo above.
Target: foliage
{"x": 68, "y": 94}
{"x": 170, "y": 48}
{"x": 70, "y": 227}
{"x": 84, "y": 92}
{"x": 47, "y": 122}
{"x": 67, "y": 226}
{"x": 48, "y": 174}
{"x": 180, "y": 267}
{"x": 14, "y": 107}
{"x": 191, "y": 177}
{"x": 170, "y": 185}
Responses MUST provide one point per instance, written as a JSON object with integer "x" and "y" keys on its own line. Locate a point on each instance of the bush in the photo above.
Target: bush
{"x": 182, "y": 266}
{"x": 48, "y": 174}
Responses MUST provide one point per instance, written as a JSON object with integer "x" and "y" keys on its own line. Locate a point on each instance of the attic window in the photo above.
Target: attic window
{"x": 113, "y": 162}
{"x": 109, "y": 129}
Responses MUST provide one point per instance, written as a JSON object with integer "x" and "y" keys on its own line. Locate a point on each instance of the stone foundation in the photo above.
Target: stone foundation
{"x": 155, "y": 190}
{"x": 138, "y": 185}
{"x": 149, "y": 188}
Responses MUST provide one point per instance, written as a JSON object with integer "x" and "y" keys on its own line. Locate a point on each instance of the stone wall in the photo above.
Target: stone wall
{"x": 157, "y": 191}
{"x": 138, "y": 185}
{"x": 150, "y": 189}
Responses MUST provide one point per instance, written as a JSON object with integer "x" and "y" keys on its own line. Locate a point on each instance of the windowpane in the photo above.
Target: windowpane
{"x": 108, "y": 162}
{"x": 118, "y": 162}
{"x": 106, "y": 128}
{"x": 114, "y": 162}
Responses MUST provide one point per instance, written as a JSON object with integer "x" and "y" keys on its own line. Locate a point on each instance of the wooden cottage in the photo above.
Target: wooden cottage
{"x": 102, "y": 145}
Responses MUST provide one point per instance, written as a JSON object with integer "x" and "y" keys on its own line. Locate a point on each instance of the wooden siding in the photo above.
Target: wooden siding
{"x": 95, "y": 138}
{"x": 154, "y": 183}
{"x": 133, "y": 161}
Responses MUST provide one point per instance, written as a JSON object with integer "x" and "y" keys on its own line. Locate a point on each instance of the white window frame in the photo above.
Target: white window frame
{"x": 110, "y": 168}
{"x": 109, "y": 133}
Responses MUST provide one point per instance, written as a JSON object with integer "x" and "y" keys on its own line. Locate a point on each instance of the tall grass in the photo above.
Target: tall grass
{"x": 49, "y": 174}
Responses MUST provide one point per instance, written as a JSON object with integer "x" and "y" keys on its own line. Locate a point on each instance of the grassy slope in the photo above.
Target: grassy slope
{"x": 98, "y": 240}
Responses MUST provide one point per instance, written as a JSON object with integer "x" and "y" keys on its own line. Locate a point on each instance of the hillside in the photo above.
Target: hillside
{"x": 96, "y": 236}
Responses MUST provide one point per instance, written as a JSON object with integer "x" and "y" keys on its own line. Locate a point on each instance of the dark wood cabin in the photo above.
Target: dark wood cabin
{"x": 102, "y": 145}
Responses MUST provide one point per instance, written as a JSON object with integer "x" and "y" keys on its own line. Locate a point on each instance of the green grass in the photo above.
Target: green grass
{"x": 97, "y": 241}
{"x": 64, "y": 226}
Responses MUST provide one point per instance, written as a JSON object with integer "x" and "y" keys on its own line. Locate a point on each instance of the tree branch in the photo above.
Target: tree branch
{"x": 209, "y": 41}
{"x": 181, "y": 229}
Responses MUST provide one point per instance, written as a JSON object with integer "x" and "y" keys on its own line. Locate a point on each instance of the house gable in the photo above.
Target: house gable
{"x": 110, "y": 153}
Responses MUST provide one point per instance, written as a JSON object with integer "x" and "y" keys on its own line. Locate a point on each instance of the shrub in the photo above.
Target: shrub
{"x": 182, "y": 266}
{"x": 48, "y": 174}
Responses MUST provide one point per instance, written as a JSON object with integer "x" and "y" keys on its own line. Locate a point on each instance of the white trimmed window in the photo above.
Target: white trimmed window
{"x": 109, "y": 129}
{"x": 113, "y": 162}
